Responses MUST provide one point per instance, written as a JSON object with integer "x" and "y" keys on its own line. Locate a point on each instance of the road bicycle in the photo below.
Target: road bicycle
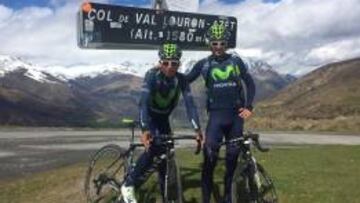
{"x": 110, "y": 165}
{"x": 251, "y": 183}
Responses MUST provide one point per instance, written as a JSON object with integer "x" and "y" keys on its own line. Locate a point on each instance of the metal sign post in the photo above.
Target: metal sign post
{"x": 102, "y": 26}
{"x": 159, "y": 5}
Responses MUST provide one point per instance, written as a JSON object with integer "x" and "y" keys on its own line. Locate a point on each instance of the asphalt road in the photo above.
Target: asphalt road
{"x": 24, "y": 152}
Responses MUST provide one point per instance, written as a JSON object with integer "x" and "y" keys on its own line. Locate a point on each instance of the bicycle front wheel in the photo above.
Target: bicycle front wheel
{"x": 174, "y": 186}
{"x": 267, "y": 192}
{"x": 247, "y": 186}
{"x": 240, "y": 185}
{"x": 106, "y": 171}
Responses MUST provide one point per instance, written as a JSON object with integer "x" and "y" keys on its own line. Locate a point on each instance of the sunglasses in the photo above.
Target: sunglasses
{"x": 218, "y": 43}
{"x": 171, "y": 63}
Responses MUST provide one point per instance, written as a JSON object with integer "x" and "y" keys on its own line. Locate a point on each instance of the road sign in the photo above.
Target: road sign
{"x": 102, "y": 26}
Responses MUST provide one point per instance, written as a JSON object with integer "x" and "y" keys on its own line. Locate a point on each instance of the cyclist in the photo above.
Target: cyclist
{"x": 224, "y": 75}
{"x": 160, "y": 94}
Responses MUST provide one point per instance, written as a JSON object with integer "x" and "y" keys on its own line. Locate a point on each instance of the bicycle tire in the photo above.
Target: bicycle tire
{"x": 175, "y": 193}
{"x": 241, "y": 189}
{"x": 267, "y": 193}
{"x": 106, "y": 165}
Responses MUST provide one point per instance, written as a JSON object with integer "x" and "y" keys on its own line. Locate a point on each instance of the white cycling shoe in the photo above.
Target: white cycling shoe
{"x": 128, "y": 194}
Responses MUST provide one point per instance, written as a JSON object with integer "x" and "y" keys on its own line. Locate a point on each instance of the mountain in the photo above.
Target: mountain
{"x": 80, "y": 95}
{"x": 101, "y": 93}
{"x": 32, "y": 97}
{"x": 110, "y": 96}
{"x": 267, "y": 80}
{"x": 330, "y": 93}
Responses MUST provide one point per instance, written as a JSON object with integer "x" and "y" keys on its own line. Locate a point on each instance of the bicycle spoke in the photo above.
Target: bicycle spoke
{"x": 112, "y": 164}
{"x": 107, "y": 165}
{"x": 117, "y": 170}
{"x": 98, "y": 199}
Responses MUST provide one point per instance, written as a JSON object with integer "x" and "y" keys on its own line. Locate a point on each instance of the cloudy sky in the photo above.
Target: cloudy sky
{"x": 291, "y": 35}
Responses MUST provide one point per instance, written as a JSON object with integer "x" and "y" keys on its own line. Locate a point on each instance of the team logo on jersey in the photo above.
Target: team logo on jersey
{"x": 164, "y": 101}
{"x": 219, "y": 74}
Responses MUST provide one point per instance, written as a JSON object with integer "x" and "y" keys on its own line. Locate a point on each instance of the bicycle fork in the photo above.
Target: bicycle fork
{"x": 166, "y": 184}
{"x": 169, "y": 155}
{"x": 252, "y": 174}
{"x": 256, "y": 174}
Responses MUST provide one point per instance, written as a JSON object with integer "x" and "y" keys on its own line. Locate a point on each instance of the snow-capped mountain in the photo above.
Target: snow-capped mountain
{"x": 91, "y": 71}
{"x": 34, "y": 95}
{"x": 11, "y": 64}
{"x": 31, "y": 94}
{"x": 259, "y": 69}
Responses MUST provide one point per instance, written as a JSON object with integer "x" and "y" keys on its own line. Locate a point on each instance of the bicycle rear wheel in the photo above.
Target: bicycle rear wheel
{"x": 106, "y": 169}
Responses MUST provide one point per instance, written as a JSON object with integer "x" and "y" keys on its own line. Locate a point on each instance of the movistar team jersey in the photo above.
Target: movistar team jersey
{"x": 223, "y": 78}
{"x": 160, "y": 95}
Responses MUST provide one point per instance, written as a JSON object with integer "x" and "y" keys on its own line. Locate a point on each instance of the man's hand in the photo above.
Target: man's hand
{"x": 199, "y": 136}
{"x": 244, "y": 113}
{"x": 146, "y": 139}
{"x": 199, "y": 140}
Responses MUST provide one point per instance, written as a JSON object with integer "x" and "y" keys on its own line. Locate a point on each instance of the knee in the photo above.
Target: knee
{"x": 129, "y": 181}
{"x": 232, "y": 152}
{"x": 210, "y": 154}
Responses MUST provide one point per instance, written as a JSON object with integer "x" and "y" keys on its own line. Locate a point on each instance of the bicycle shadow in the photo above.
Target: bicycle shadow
{"x": 190, "y": 180}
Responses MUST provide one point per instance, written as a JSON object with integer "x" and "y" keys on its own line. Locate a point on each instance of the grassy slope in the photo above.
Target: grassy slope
{"x": 306, "y": 174}
{"x": 325, "y": 99}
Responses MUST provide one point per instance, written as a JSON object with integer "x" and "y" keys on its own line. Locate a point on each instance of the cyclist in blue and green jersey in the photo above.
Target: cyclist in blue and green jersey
{"x": 230, "y": 94}
{"x": 159, "y": 96}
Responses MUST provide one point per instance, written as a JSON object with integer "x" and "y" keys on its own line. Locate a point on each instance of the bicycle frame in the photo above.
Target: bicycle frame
{"x": 124, "y": 162}
{"x": 248, "y": 169}
{"x": 169, "y": 153}
{"x": 169, "y": 142}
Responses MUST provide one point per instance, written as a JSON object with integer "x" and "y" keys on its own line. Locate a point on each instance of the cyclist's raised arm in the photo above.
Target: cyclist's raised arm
{"x": 144, "y": 101}
{"x": 249, "y": 82}
{"x": 189, "y": 103}
{"x": 195, "y": 72}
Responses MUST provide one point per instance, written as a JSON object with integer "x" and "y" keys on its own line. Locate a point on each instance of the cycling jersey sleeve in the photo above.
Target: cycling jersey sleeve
{"x": 191, "y": 109}
{"x": 249, "y": 83}
{"x": 144, "y": 102}
{"x": 195, "y": 72}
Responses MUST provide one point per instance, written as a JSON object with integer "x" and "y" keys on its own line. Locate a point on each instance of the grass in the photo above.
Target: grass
{"x": 341, "y": 124}
{"x": 328, "y": 174}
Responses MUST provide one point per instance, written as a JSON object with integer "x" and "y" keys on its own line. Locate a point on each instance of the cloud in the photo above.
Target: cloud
{"x": 293, "y": 36}
{"x": 5, "y": 13}
{"x": 286, "y": 31}
{"x": 48, "y": 36}
{"x": 336, "y": 51}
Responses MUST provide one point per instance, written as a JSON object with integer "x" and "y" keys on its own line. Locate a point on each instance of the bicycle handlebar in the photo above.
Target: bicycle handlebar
{"x": 166, "y": 139}
{"x": 190, "y": 137}
{"x": 130, "y": 122}
{"x": 248, "y": 136}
